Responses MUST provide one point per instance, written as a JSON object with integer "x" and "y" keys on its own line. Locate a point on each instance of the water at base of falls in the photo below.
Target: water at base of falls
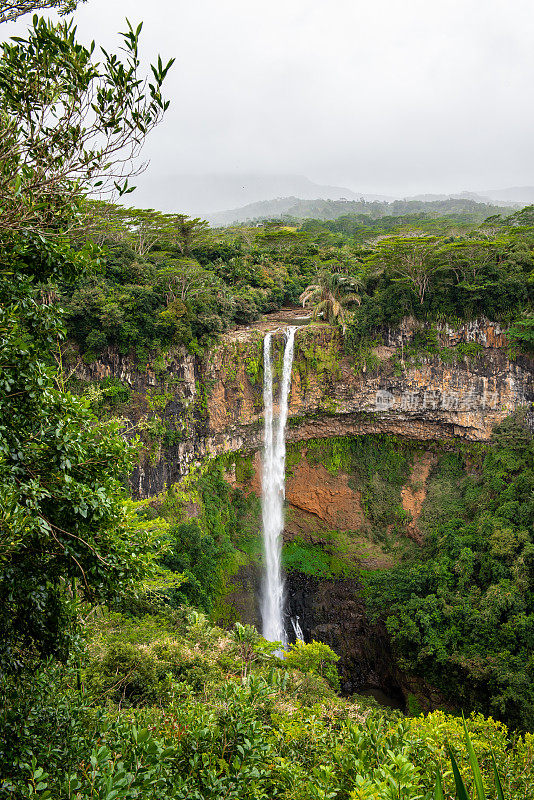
{"x": 273, "y": 490}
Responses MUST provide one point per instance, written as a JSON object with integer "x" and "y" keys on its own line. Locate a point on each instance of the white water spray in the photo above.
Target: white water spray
{"x": 273, "y": 490}
{"x": 299, "y": 636}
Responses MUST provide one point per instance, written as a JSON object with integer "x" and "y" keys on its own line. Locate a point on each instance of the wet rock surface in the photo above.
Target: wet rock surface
{"x": 333, "y": 612}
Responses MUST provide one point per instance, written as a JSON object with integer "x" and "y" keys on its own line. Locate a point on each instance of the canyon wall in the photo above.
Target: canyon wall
{"x": 188, "y": 407}
{"x": 457, "y": 385}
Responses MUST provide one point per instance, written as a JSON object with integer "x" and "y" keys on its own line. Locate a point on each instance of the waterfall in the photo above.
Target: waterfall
{"x": 299, "y": 636}
{"x": 273, "y": 489}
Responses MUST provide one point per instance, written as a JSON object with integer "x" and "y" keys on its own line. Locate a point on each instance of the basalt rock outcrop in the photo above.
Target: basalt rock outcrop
{"x": 329, "y": 611}
{"x": 332, "y": 612}
{"x": 209, "y": 405}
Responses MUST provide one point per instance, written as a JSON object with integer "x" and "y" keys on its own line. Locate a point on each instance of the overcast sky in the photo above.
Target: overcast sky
{"x": 381, "y": 96}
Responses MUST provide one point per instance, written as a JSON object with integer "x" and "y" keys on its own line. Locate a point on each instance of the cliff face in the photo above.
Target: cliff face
{"x": 211, "y": 405}
{"x": 351, "y": 505}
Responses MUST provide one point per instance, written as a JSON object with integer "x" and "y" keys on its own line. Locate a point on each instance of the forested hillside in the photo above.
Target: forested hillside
{"x": 168, "y": 279}
{"x": 297, "y": 209}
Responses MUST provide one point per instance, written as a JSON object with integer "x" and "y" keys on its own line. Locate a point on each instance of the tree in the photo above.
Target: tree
{"x": 523, "y": 218}
{"x": 143, "y": 228}
{"x": 69, "y": 123}
{"x": 331, "y": 296}
{"x": 11, "y": 10}
{"x": 409, "y": 260}
{"x": 314, "y": 657}
{"x": 199, "y": 558}
{"x": 66, "y": 532}
{"x": 184, "y": 279}
{"x": 278, "y": 237}
{"x": 146, "y": 228}
{"x": 468, "y": 260}
{"x": 191, "y": 232}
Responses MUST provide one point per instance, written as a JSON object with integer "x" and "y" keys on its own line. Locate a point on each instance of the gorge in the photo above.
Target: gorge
{"x": 398, "y": 402}
{"x": 266, "y": 490}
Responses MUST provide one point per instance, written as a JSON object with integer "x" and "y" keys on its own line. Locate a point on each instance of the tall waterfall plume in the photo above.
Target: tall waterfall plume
{"x": 273, "y": 489}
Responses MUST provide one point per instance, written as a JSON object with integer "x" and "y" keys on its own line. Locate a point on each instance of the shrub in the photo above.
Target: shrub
{"x": 316, "y": 658}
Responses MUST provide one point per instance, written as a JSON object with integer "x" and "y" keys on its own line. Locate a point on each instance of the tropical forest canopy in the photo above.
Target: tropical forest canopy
{"x": 163, "y": 279}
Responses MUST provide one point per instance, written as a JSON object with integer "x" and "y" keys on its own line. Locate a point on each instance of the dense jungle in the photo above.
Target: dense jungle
{"x": 131, "y": 410}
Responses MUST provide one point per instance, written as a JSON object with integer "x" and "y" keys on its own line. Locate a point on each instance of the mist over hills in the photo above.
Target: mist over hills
{"x": 515, "y": 196}
{"x": 205, "y": 195}
{"x": 224, "y": 199}
{"x": 520, "y": 195}
{"x": 296, "y": 208}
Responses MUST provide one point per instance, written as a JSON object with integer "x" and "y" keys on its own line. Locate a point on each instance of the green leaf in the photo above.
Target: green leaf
{"x": 438, "y": 791}
{"x": 481, "y": 794}
{"x": 142, "y": 735}
{"x": 498, "y": 786}
{"x": 461, "y": 792}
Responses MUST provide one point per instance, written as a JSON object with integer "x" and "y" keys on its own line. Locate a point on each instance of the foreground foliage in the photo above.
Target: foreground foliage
{"x": 12, "y": 9}
{"x": 170, "y": 707}
{"x": 67, "y": 534}
{"x": 69, "y": 124}
{"x": 66, "y": 531}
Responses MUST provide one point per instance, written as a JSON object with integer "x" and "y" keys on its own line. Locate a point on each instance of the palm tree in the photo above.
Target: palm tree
{"x": 331, "y": 297}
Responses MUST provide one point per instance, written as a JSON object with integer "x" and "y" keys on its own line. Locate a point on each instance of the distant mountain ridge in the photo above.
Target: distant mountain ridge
{"x": 515, "y": 196}
{"x": 226, "y": 198}
{"x": 206, "y": 195}
{"x": 521, "y": 195}
{"x": 298, "y": 208}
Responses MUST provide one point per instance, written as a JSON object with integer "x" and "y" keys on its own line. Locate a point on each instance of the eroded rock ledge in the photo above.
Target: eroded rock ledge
{"x": 213, "y": 404}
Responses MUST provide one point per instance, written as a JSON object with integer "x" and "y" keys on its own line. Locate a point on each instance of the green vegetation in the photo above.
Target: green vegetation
{"x": 378, "y": 466}
{"x": 331, "y": 296}
{"x": 522, "y": 333}
{"x": 164, "y": 280}
{"x": 314, "y": 658}
{"x": 66, "y": 532}
{"x": 362, "y": 219}
{"x": 200, "y": 549}
{"x": 317, "y": 360}
{"x": 382, "y": 455}
{"x": 322, "y": 561}
{"x": 69, "y": 118}
{"x": 462, "y": 616}
{"x": 426, "y": 341}
{"x": 460, "y": 609}
{"x": 14, "y": 9}
{"x": 170, "y": 707}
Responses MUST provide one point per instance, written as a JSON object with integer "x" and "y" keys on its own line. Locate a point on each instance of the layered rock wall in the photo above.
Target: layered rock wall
{"x": 213, "y": 405}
